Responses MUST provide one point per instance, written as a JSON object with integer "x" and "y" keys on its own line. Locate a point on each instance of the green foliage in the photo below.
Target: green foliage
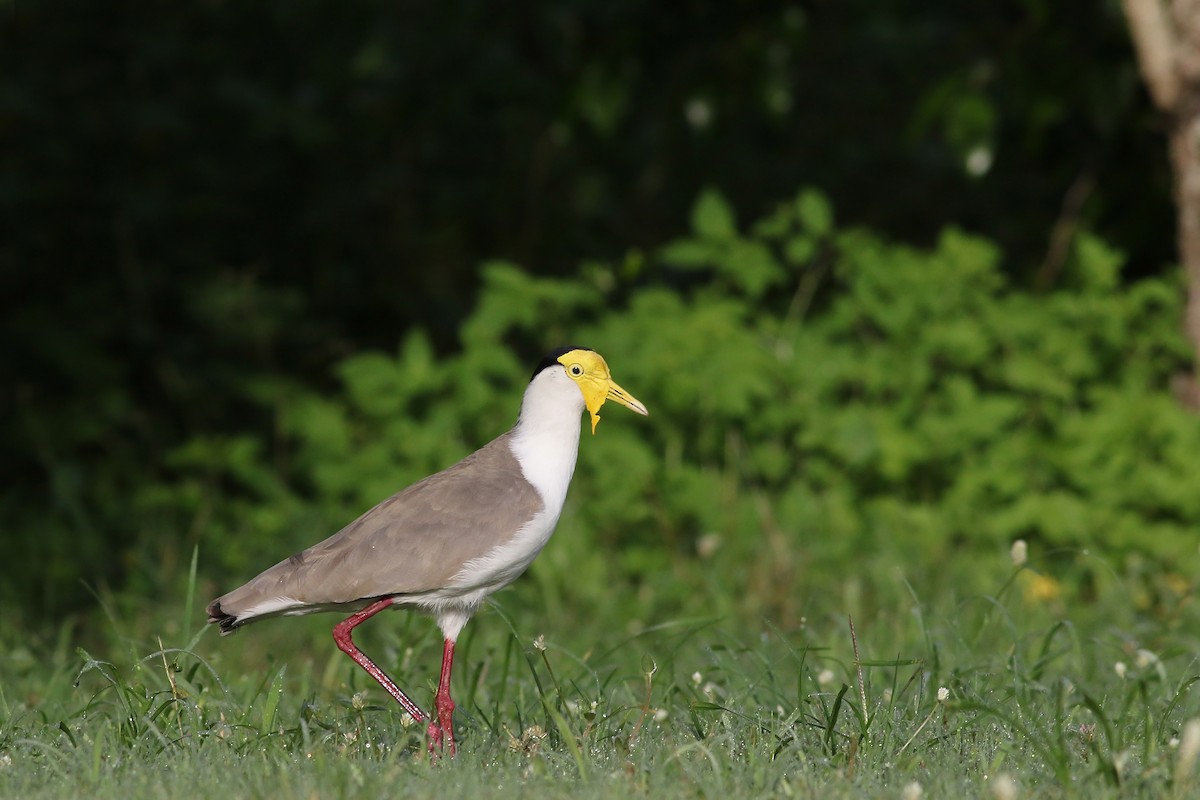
{"x": 847, "y": 427}
{"x": 816, "y": 395}
{"x": 916, "y": 406}
{"x": 195, "y": 234}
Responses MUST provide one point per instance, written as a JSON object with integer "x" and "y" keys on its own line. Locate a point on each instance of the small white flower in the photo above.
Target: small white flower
{"x": 943, "y": 694}
{"x": 661, "y": 714}
{"x": 1004, "y": 787}
{"x": 1019, "y": 552}
{"x": 1189, "y": 749}
{"x": 698, "y": 112}
{"x": 539, "y": 643}
{"x": 708, "y": 545}
{"x": 978, "y": 161}
{"x": 1145, "y": 658}
{"x": 913, "y": 791}
{"x": 825, "y": 677}
{"x": 697, "y": 678}
{"x": 1120, "y": 668}
{"x": 887, "y": 696}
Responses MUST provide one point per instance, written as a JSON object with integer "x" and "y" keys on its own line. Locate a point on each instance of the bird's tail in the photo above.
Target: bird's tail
{"x": 228, "y": 622}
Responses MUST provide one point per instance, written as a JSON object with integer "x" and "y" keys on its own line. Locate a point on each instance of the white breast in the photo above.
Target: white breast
{"x": 545, "y": 443}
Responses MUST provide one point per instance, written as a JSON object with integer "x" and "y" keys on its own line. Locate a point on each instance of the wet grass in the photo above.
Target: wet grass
{"x": 987, "y": 695}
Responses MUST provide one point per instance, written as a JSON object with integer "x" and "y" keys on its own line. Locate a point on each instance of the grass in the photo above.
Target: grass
{"x": 996, "y": 694}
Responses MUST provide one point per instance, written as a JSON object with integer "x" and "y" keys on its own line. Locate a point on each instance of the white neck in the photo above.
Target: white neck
{"x": 546, "y": 438}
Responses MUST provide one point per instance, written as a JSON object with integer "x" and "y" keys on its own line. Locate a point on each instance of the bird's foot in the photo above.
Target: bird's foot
{"x": 440, "y": 739}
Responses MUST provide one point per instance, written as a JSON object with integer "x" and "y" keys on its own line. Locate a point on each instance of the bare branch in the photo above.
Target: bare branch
{"x": 1154, "y": 41}
{"x": 1187, "y": 40}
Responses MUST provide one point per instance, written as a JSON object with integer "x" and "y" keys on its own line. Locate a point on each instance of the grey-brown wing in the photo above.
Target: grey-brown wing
{"x": 414, "y": 541}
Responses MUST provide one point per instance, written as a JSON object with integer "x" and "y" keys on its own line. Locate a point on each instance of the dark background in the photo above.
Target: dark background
{"x": 195, "y": 195}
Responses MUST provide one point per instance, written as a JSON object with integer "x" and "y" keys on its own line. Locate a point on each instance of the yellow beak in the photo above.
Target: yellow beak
{"x": 609, "y": 390}
{"x": 626, "y": 399}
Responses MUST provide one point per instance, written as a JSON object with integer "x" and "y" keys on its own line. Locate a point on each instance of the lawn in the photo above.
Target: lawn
{"x": 1014, "y": 690}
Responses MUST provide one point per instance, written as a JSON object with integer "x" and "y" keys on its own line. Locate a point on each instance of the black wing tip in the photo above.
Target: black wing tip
{"x": 228, "y": 622}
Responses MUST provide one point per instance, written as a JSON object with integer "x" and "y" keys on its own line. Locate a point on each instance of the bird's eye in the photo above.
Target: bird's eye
{"x": 576, "y": 370}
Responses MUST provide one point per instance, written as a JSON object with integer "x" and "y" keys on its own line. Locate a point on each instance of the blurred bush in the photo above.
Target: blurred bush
{"x": 210, "y": 205}
{"x": 822, "y": 400}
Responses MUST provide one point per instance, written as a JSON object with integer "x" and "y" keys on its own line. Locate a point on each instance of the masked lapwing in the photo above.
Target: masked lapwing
{"x": 447, "y": 542}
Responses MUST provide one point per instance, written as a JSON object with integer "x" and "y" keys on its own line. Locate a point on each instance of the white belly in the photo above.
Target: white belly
{"x": 505, "y": 563}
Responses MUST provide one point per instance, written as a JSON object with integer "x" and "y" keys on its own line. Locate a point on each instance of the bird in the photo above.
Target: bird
{"x": 444, "y": 544}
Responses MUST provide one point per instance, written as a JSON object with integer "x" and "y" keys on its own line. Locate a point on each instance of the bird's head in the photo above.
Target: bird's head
{"x": 590, "y": 373}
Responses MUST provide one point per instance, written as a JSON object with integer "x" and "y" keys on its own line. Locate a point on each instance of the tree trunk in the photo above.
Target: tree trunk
{"x": 1185, "y": 161}
{"x": 1166, "y": 36}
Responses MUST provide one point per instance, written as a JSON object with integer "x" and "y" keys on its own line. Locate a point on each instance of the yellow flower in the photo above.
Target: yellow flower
{"x": 1177, "y": 584}
{"x": 1038, "y": 588}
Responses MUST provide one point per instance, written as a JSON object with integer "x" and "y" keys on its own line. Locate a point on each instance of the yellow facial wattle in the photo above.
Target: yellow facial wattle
{"x": 589, "y": 370}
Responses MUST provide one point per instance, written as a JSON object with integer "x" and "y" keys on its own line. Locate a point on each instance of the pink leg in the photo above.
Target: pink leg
{"x": 445, "y": 706}
{"x": 341, "y": 635}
